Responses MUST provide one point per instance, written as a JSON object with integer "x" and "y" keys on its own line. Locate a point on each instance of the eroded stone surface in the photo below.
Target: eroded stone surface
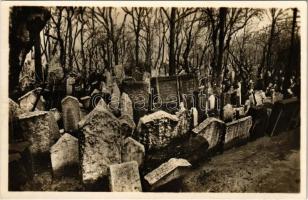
{"x": 28, "y": 100}
{"x": 101, "y": 143}
{"x": 125, "y": 177}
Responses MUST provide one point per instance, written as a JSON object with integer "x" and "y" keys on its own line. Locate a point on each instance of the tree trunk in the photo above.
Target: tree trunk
{"x": 172, "y": 21}
{"x": 38, "y": 61}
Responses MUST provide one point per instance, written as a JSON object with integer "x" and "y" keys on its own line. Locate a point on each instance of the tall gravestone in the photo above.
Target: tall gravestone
{"x": 119, "y": 73}
{"x": 133, "y": 151}
{"x": 126, "y": 105}
{"x": 115, "y": 98}
{"x": 71, "y": 113}
{"x": 100, "y": 144}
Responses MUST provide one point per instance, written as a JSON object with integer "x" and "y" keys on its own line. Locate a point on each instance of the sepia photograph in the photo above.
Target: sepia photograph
{"x": 155, "y": 99}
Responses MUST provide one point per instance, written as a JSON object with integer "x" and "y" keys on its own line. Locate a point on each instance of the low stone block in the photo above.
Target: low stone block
{"x": 167, "y": 172}
{"x": 124, "y": 177}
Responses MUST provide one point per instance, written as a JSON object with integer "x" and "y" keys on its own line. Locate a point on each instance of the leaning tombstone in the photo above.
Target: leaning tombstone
{"x": 41, "y": 129}
{"x": 28, "y": 100}
{"x": 167, "y": 172}
{"x": 55, "y": 113}
{"x": 212, "y": 130}
{"x": 124, "y": 177}
{"x": 133, "y": 151}
{"x": 65, "y": 156}
{"x": 100, "y": 142}
{"x": 237, "y": 132}
{"x": 71, "y": 113}
{"x": 156, "y": 130}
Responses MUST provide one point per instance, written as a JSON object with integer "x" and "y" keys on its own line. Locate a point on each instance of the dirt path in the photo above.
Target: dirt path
{"x": 269, "y": 164}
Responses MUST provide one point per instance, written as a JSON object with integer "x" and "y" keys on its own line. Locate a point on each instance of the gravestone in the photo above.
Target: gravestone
{"x": 126, "y": 105}
{"x": 228, "y": 113}
{"x": 41, "y": 129}
{"x": 237, "y": 132}
{"x": 167, "y": 172}
{"x": 212, "y": 130}
{"x": 156, "y": 130}
{"x": 124, "y": 177}
{"x": 65, "y": 156}
{"x": 70, "y": 81}
{"x": 115, "y": 98}
{"x": 100, "y": 144}
{"x": 183, "y": 125}
{"x": 194, "y": 113}
{"x": 28, "y": 100}
{"x": 71, "y": 113}
{"x": 133, "y": 151}
{"x": 119, "y": 73}
{"x": 108, "y": 80}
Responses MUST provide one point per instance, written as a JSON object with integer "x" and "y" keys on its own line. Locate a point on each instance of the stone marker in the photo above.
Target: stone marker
{"x": 55, "y": 113}
{"x": 124, "y": 177}
{"x": 108, "y": 80}
{"x": 156, "y": 130}
{"x": 65, "y": 156}
{"x": 212, "y": 130}
{"x": 194, "y": 112}
{"x": 86, "y": 101}
{"x": 71, "y": 113}
{"x": 183, "y": 125}
{"x": 40, "y": 129}
{"x": 70, "y": 81}
{"x": 14, "y": 110}
{"x": 133, "y": 150}
{"x": 126, "y": 105}
{"x": 119, "y": 73}
{"x": 237, "y": 132}
{"x": 100, "y": 144}
{"x": 115, "y": 98}
{"x": 167, "y": 172}
{"x": 28, "y": 100}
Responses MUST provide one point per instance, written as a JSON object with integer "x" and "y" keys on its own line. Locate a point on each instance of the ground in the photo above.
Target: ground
{"x": 268, "y": 164}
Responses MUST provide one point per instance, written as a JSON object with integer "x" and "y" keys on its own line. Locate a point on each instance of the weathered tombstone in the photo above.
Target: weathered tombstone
{"x": 167, "y": 172}
{"x": 70, "y": 81}
{"x": 56, "y": 113}
{"x": 127, "y": 125}
{"x": 100, "y": 144}
{"x": 41, "y": 129}
{"x": 194, "y": 113}
{"x": 133, "y": 150}
{"x": 119, "y": 73}
{"x": 237, "y": 132}
{"x": 183, "y": 125}
{"x": 65, "y": 156}
{"x": 108, "y": 80}
{"x": 71, "y": 113}
{"x": 124, "y": 177}
{"x": 115, "y": 98}
{"x": 212, "y": 130}
{"x": 157, "y": 129}
{"x": 28, "y": 100}
{"x": 126, "y": 105}
{"x": 86, "y": 101}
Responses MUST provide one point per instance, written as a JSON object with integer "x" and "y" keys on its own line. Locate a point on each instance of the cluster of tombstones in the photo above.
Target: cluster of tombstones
{"x": 103, "y": 144}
